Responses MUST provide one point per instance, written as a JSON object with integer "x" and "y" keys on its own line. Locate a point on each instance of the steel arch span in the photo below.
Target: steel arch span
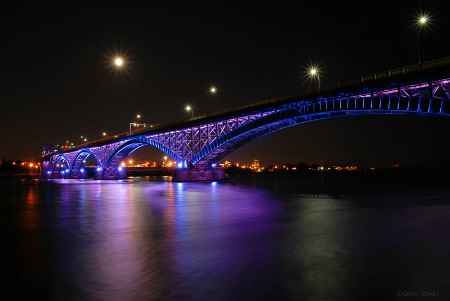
{"x": 196, "y": 145}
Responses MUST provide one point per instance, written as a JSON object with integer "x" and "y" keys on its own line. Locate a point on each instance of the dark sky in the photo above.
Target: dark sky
{"x": 58, "y": 81}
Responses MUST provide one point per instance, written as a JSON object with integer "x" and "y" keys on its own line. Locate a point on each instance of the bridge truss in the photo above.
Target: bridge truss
{"x": 200, "y": 143}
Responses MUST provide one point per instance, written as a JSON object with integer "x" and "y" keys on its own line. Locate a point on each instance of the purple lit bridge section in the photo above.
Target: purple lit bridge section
{"x": 198, "y": 144}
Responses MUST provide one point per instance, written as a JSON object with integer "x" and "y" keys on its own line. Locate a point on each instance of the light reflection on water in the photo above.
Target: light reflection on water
{"x": 245, "y": 239}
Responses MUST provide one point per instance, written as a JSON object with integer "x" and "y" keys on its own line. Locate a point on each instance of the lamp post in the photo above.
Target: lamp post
{"x": 212, "y": 91}
{"x": 422, "y": 22}
{"x": 189, "y": 110}
{"x": 315, "y": 73}
{"x": 135, "y": 123}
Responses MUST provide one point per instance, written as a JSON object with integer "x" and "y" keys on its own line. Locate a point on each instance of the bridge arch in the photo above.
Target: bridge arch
{"x": 201, "y": 142}
{"x": 299, "y": 113}
{"x": 142, "y": 140}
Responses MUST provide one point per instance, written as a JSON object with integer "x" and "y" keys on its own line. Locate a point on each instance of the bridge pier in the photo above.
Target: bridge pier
{"x": 111, "y": 173}
{"x": 202, "y": 173}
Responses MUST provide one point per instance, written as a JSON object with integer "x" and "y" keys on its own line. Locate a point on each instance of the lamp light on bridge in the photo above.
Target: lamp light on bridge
{"x": 135, "y": 123}
{"x": 422, "y": 23}
{"x": 313, "y": 72}
{"x": 212, "y": 91}
{"x": 118, "y": 61}
{"x": 189, "y": 110}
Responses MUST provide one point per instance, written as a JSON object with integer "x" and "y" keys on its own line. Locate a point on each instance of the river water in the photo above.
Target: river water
{"x": 251, "y": 237}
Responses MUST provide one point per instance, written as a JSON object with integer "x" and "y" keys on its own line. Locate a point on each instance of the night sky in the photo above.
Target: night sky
{"x": 59, "y": 81}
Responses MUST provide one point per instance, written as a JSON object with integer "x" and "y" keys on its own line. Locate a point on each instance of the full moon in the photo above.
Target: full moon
{"x": 118, "y": 61}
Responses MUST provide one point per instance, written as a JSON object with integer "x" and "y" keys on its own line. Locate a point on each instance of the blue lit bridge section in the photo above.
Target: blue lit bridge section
{"x": 199, "y": 143}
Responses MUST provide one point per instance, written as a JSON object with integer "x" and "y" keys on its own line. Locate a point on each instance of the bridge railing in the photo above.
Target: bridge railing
{"x": 366, "y": 78}
{"x": 363, "y": 79}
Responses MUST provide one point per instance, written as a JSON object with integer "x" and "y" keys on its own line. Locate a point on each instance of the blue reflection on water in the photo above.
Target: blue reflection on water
{"x": 247, "y": 239}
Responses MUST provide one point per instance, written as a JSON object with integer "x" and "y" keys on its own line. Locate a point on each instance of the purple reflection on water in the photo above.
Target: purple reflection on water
{"x": 135, "y": 240}
{"x": 269, "y": 238}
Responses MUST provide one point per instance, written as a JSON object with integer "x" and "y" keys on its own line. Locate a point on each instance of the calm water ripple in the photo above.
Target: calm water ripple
{"x": 254, "y": 237}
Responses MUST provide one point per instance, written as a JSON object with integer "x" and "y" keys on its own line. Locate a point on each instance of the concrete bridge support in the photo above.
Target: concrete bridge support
{"x": 201, "y": 173}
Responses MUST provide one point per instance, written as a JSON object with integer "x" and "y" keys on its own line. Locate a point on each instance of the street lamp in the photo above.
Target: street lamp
{"x": 189, "y": 110}
{"x": 135, "y": 124}
{"x": 118, "y": 61}
{"x": 132, "y": 124}
{"x": 212, "y": 91}
{"x": 422, "y": 22}
{"x": 315, "y": 73}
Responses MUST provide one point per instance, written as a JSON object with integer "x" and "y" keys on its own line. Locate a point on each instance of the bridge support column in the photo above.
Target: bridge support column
{"x": 112, "y": 173}
{"x": 192, "y": 174}
{"x": 46, "y": 169}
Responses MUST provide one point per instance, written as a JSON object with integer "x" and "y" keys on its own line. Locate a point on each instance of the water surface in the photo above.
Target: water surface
{"x": 253, "y": 237}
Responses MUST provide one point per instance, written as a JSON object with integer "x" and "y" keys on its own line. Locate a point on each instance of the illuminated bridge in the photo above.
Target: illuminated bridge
{"x": 197, "y": 144}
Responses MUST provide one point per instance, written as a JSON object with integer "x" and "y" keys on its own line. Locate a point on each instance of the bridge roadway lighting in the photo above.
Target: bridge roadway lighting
{"x": 422, "y": 22}
{"x": 212, "y": 91}
{"x": 315, "y": 73}
{"x": 189, "y": 110}
{"x": 135, "y": 123}
{"x": 132, "y": 124}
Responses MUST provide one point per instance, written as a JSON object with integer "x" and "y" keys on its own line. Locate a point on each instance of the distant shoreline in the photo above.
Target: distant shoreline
{"x": 136, "y": 172}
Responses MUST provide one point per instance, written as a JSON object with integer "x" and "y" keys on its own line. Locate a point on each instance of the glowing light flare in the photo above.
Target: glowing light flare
{"x": 118, "y": 61}
{"x": 423, "y": 20}
{"x": 313, "y": 71}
